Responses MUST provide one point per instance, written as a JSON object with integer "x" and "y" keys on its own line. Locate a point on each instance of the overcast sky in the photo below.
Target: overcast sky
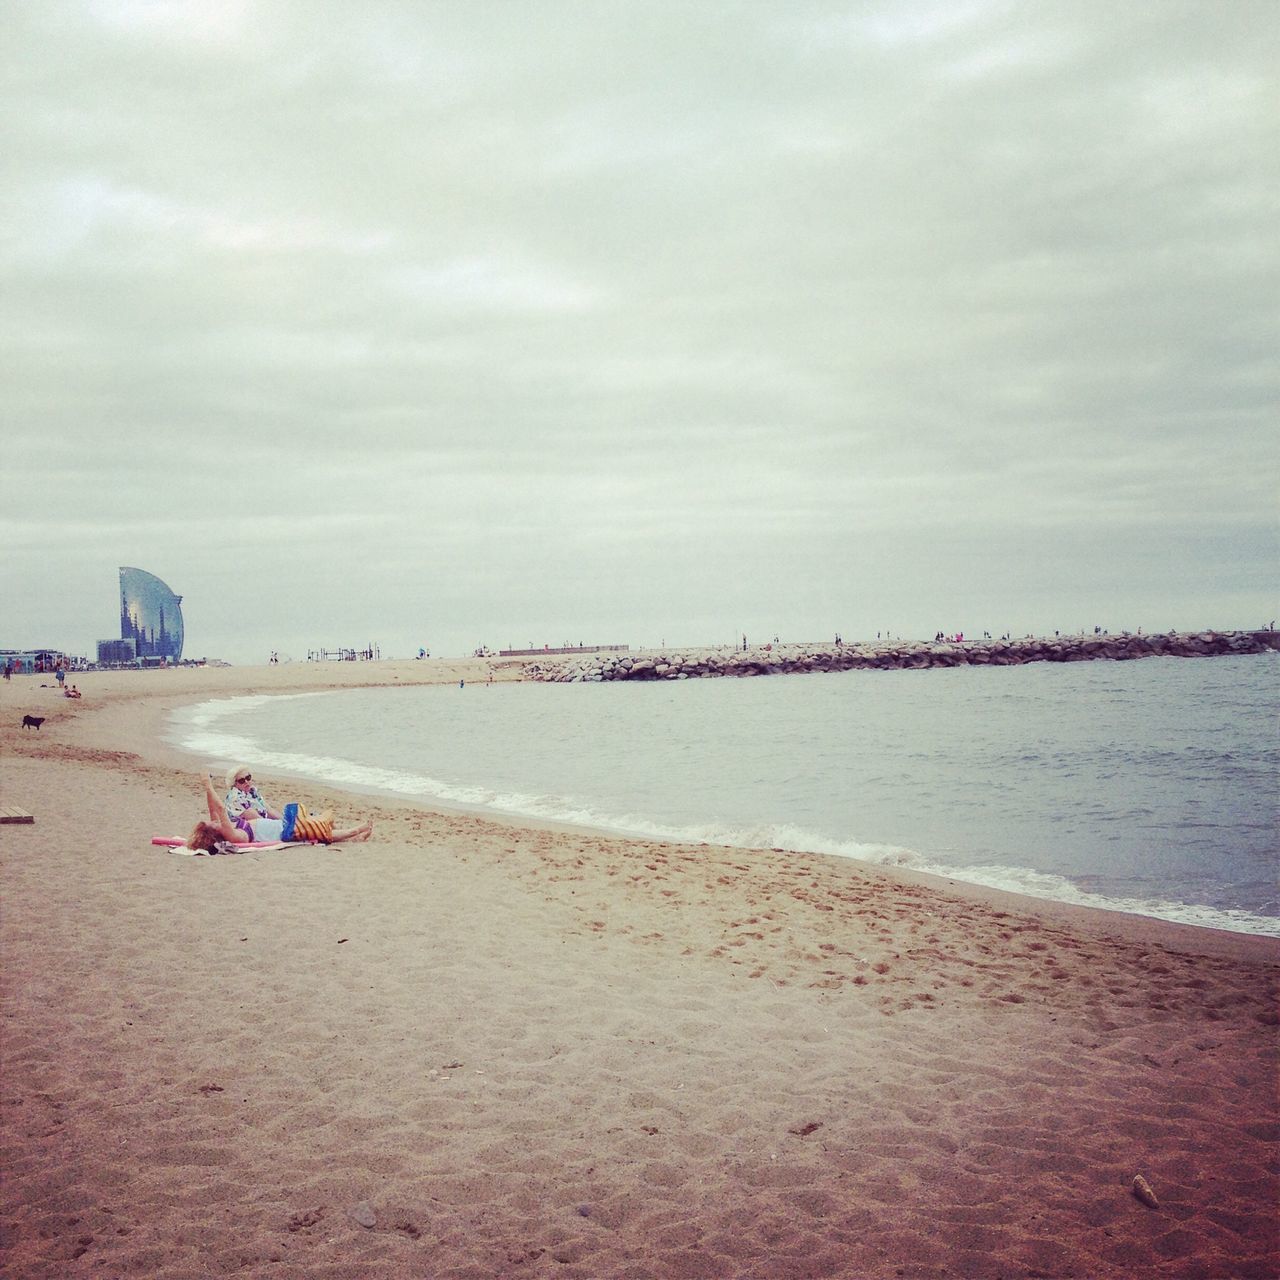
{"x": 456, "y": 323}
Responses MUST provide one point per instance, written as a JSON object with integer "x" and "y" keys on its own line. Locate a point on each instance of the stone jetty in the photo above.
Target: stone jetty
{"x": 763, "y": 660}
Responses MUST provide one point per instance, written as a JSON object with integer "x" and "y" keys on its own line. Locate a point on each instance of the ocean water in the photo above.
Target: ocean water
{"x": 1147, "y": 786}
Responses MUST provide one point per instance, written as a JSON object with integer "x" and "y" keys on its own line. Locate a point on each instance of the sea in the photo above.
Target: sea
{"x": 1149, "y": 786}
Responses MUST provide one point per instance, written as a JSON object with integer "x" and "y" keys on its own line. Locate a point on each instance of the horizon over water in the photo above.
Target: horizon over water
{"x": 1147, "y": 786}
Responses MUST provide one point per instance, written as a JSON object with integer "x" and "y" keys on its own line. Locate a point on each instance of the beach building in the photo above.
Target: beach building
{"x": 150, "y": 617}
{"x": 37, "y": 661}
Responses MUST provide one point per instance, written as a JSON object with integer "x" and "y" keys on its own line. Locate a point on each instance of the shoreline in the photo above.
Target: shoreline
{"x": 1188, "y": 914}
{"x": 141, "y": 715}
{"x": 525, "y": 1049}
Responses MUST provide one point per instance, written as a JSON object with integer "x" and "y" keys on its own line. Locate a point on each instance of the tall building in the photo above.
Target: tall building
{"x": 150, "y": 615}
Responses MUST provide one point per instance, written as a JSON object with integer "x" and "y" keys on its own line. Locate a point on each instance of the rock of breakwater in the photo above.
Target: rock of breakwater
{"x": 691, "y": 664}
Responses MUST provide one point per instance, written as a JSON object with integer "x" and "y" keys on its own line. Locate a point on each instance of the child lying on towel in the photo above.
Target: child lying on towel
{"x": 296, "y": 824}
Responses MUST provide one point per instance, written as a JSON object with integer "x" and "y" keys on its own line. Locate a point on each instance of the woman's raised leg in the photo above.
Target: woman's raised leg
{"x": 218, "y": 815}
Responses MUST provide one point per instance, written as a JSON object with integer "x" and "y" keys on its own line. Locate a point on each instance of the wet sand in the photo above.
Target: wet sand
{"x": 471, "y": 1049}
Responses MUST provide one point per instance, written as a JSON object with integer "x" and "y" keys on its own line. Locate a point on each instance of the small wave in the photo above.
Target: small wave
{"x": 1039, "y": 884}
{"x": 202, "y": 715}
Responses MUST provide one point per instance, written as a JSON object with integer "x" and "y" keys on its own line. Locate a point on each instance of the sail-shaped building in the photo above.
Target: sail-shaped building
{"x": 150, "y": 616}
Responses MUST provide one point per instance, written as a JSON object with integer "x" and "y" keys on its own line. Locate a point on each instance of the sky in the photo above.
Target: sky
{"x": 525, "y": 322}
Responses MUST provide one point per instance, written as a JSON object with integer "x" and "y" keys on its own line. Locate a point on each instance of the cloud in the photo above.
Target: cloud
{"x": 492, "y": 284}
{"x": 800, "y": 318}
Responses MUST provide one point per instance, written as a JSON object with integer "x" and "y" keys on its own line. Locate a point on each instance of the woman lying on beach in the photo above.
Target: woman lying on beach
{"x": 220, "y": 829}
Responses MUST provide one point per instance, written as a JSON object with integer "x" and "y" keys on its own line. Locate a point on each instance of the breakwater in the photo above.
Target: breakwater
{"x": 778, "y": 659}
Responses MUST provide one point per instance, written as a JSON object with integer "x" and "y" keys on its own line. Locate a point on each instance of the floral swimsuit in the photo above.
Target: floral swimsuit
{"x": 239, "y": 801}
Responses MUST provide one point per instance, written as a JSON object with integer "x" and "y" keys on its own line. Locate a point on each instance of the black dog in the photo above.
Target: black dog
{"x": 32, "y": 722}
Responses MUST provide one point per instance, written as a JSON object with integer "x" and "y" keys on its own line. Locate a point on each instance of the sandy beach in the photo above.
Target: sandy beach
{"x": 476, "y": 1049}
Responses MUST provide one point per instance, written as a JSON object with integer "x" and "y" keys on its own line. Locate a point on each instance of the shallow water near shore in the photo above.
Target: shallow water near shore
{"x": 1146, "y": 786}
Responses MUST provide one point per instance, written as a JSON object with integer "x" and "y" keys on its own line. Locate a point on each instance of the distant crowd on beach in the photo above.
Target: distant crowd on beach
{"x": 370, "y": 653}
{"x": 13, "y": 668}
